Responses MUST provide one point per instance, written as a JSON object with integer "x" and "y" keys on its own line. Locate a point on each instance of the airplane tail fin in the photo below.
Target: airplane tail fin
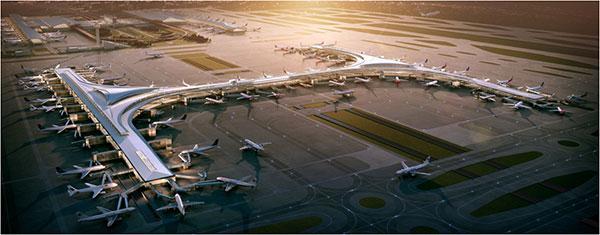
{"x": 26, "y": 100}
{"x": 427, "y": 159}
{"x": 467, "y": 69}
{"x": 31, "y": 107}
{"x": 542, "y": 85}
{"x": 184, "y": 117}
{"x": 71, "y": 190}
{"x": 81, "y": 215}
{"x": 584, "y": 94}
{"x": 59, "y": 170}
{"x": 425, "y": 62}
{"x": 40, "y": 127}
{"x": 216, "y": 143}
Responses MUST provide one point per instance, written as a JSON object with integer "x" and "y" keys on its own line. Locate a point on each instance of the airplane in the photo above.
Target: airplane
{"x": 154, "y": 54}
{"x": 346, "y": 93}
{"x": 232, "y": 183}
{"x": 38, "y": 88}
{"x": 283, "y": 48}
{"x": 440, "y": 68}
{"x": 560, "y": 111}
{"x": 430, "y": 13}
{"x": 573, "y": 97}
{"x": 30, "y": 78}
{"x": 91, "y": 64}
{"x": 432, "y": 83}
{"x": 100, "y": 68}
{"x": 311, "y": 69}
{"x": 213, "y": 101}
{"x": 365, "y": 52}
{"x": 111, "y": 216}
{"x": 422, "y": 63}
{"x": 504, "y": 82}
{"x": 28, "y": 70}
{"x": 248, "y": 97}
{"x": 60, "y": 129}
{"x": 413, "y": 169}
{"x": 56, "y": 39}
{"x": 334, "y": 83}
{"x": 463, "y": 71}
{"x": 254, "y": 146}
{"x": 185, "y": 83}
{"x": 535, "y": 88}
{"x": 308, "y": 56}
{"x": 32, "y": 83}
{"x": 486, "y": 97}
{"x": 122, "y": 83}
{"x": 83, "y": 170}
{"x": 197, "y": 150}
{"x": 397, "y": 80}
{"x": 43, "y": 101}
{"x": 58, "y": 105}
{"x": 274, "y": 95}
{"x": 169, "y": 122}
{"x": 518, "y": 105}
{"x": 179, "y": 204}
{"x": 256, "y": 29}
{"x": 289, "y": 87}
{"x": 265, "y": 75}
{"x": 95, "y": 189}
{"x": 358, "y": 79}
{"x": 337, "y": 61}
{"x": 328, "y": 45}
{"x": 306, "y": 85}
{"x": 111, "y": 78}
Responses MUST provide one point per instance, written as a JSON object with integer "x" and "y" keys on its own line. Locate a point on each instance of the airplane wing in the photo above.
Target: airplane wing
{"x": 265, "y": 143}
{"x": 201, "y": 153}
{"x": 111, "y": 220}
{"x": 90, "y": 185}
{"x": 84, "y": 174}
{"x": 76, "y": 166}
{"x": 404, "y": 165}
{"x": 169, "y": 125}
{"x": 245, "y": 147}
{"x": 102, "y": 209}
{"x": 61, "y": 130}
{"x": 96, "y": 192}
{"x": 421, "y": 173}
{"x": 229, "y": 187}
{"x": 189, "y": 203}
{"x": 169, "y": 206}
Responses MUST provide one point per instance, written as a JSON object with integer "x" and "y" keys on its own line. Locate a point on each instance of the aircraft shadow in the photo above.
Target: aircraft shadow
{"x": 251, "y": 157}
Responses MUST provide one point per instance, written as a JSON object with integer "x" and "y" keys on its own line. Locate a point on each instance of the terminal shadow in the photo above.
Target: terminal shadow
{"x": 488, "y": 106}
{"x": 249, "y": 105}
{"x": 525, "y": 114}
{"x": 369, "y": 89}
{"x": 216, "y": 111}
{"x": 234, "y": 200}
{"x": 252, "y": 158}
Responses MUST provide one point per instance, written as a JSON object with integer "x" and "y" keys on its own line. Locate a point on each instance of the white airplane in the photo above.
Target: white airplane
{"x": 265, "y": 75}
{"x": 397, "y": 80}
{"x": 28, "y": 70}
{"x": 560, "y": 111}
{"x": 169, "y": 122}
{"x": 283, "y": 48}
{"x": 289, "y": 87}
{"x": 185, "y": 83}
{"x": 463, "y": 71}
{"x": 440, "y": 68}
{"x": 122, "y": 83}
{"x": 413, "y": 169}
{"x": 32, "y": 83}
{"x": 209, "y": 100}
{"x": 308, "y": 56}
{"x": 534, "y": 89}
{"x": 328, "y": 45}
{"x": 432, "y": 83}
{"x": 518, "y": 105}
{"x": 248, "y": 97}
{"x": 84, "y": 171}
{"x": 37, "y": 88}
{"x": 30, "y": 78}
{"x": 486, "y": 97}
{"x": 287, "y": 73}
{"x": 60, "y": 129}
{"x": 43, "y": 101}
{"x": 179, "y": 204}
{"x": 199, "y": 150}
{"x": 232, "y": 183}
{"x": 100, "y": 68}
{"x": 306, "y": 85}
{"x": 311, "y": 69}
{"x": 56, "y": 39}
{"x": 254, "y": 146}
{"x": 573, "y": 97}
{"x": 358, "y": 79}
{"x": 346, "y": 93}
{"x": 111, "y": 216}
{"x": 95, "y": 189}
{"x": 58, "y": 105}
{"x": 422, "y": 63}
{"x": 429, "y": 14}
{"x": 334, "y": 83}
{"x": 274, "y": 95}
{"x": 504, "y": 82}
{"x": 111, "y": 78}
{"x": 154, "y": 54}
{"x": 337, "y": 61}
{"x": 91, "y": 64}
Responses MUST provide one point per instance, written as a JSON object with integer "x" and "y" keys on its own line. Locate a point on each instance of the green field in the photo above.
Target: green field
{"x": 291, "y": 226}
{"x": 332, "y": 30}
{"x": 27, "y": 60}
{"x": 500, "y": 204}
{"x": 379, "y": 32}
{"x": 538, "y": 191}
{"x": 447, "y": 55}
{"x": 491, "y": 40}
{"x": 263, "y": 14}
{"x": 508, "y": 60}
{"x": 232, "y": 72}
{"x": 409, "y": 23}
{"x": 392, "y": 45}
{"x": 443, "y": 43}
{"x": 568, "y": 143}
{"x": 432, "y": 21}
{"x": 423, "y": 230}
{"x": 305, "y": 21}
{"x": 486, "y": 26}
{"x": 180, "y": 52}
{"x": 357, "y": 16}
{"x": 314, "y": 105}
{"x": 416, "y": 44}
{"x": 487, "y": 62}
{"x": 516, "y": 159}
{"x": 571, "y": 181}
{"x": 537, "y": 57}
{"x": 566, "y": 70}
{"x": 547, "y": 73}
{"x": 461, "y": 29}
{"x": 570, "y": 43}
{"x": 372, "y": 202}
{"x": 443, "y": 180}
{"x": 466, "y": 53}
{"x": 204, "y": 61}
{"x": 342, "y": 20}
{"x": 480, "y": 168}
{"x": 504, "y": 35}
{"x": 579, "y": 37}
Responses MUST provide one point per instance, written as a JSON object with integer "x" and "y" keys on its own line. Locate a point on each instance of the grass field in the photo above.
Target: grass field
{"x": 504, "y": 35}
{"x": 423, "y": 230}
{"x": 372, "y": 202}
{"x": 546, "y": 73}
{"x": 571, "y": 181}
{"x": 42, "y": 49}
{"x": 481, "y": 168}
{"x": 516, "y": 159}
{"x": 392, "y": 45}
{"x": 447, "y": 55}
{"x": 410, "y": 23}
{"x": 291, "y": 226}
{"x": 486, "y": 26}
{"x": 306, "y": 21}
{"x": 570, "y": 43}
{"x": 232, "y": 16}
{"x": 566, "y": 70}
{"x": 490, "y": 40}
{"x": 466, "y": 53}
{"x": 173, "y": 43}
{"x": 442, "y": 43}
{"x": 39, "y": 59}
{"x": 500, "y": 204}
{"x": 276, "y": 40}
{"x": 432, "y": 21}
{"x": 356, "y": 16}
{"x": 416, "y": 44}
{"x": 508, "y": 60}
{"x": 263, "y": 14}
{"x": 487, "y": 62}
{"x": 579, "y": 37}
{"x": 535, "y": 56}
{"x": 461, "y": 29}
{"x": 232, "y": 72}
{"x": 568, "y": 143}
{"x": 379, "y": 32}
{"x": 265, "y": 22}
{"x": 181, "y": 52}
{"x": 314, "y": 105}
{"x": 443, "y": 180}
{"x": 204, "y": 61}
{"x": 342, "y": 20}
{"x": 332, "y": 30}
{"x": 538, "y": 191}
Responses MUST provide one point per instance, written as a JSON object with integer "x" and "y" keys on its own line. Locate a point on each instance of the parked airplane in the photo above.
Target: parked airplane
{"x": 311, "y": 69}
{"x": 287, "y": 73}
{"x": 111, "y": 216}
{"x": 58, "y": 105}
{"x": 30, "y": 78}
{"x": 328, "y": 59}
{"x": 518, "y": 105}
{"x": 247, "y": 96}
{"x": 346, "y": 93}
{"x": 413, "y": 169}
{"x": 534, "y": 89}
{"x": 422, "y": 63}
{"x": 429, "y": 14}
{"x": 358, "y": 79}
{"x": 28, "y": 70}
{"x": 432, "y": 83}
{"x": 486, "y": 97}
{"x": 560, "y": 111}
{"x": 232, "y": 183}
{"x": 463, "y": 71}
{"x": 84, "y": 171}
{"x": 169, "y": 122}
{"x": 254, "y": 146}
{"x": 213, "y": 101}
{"x": 37, "y": 88}
{"x": 573, "y": 97}
{"x": 100, "y": 68}
{"x": 504, "y": 82}
{"x": 328, "y": 45}
{"x": 184, "y": 83}
{"x": 440, "y": 68}
{"x": 265, "y": 75}
{"x": 43, "y": 101}
{"x": 199, "y": 150}
{"x": 122, "y": 83}
{"x": 274, "y": 95}
{"x": 308, "y": 56}
{"x": 60, "y": 129}
{"x": 179, "y": 204}
{"x": 334, "y": 83}
{"x": 397, "y": 80}
{"x": 91, "y": 64}
{"x": 289, "y": 87}
{"x": 154, "y": 54}
{"x": 32, "y": 83}
{"x": 111, "y": 78}
{"x": 306, "y": 85}
{"x": 95, "y": 189}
